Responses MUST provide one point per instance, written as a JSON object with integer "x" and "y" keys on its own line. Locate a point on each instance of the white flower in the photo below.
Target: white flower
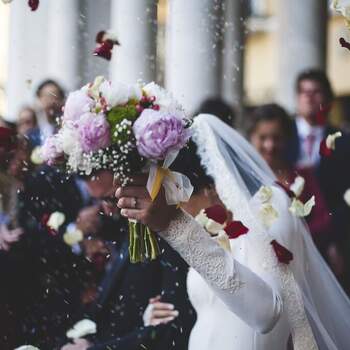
{"x": 115, "y": 93}
{"x": 347, "y": 197}
{"x": 210, "y": 225}
{"x": 73, "y": 237}
{"x": 264, "y": 194}
{"x": 36, "y": 157}
{"x": 164, "y": 98}
{"x": 268, "y": 214}
{"x": 27, "y": 347}
{"x": 202, "y": 218}
{"x": 297, "y": 186}
{"x": 6, "y": 1}
{"x": 298, "y": 208}
{"x": 56, "y": 220}
{"x": 330, "y": 140}
{"x": 81, "y": 329}
{"x": 223, "y": 239}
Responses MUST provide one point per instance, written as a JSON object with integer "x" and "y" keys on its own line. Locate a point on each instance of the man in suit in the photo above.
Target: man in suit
{"x": 126, "y": 288}
{"x": 311, "y": 126}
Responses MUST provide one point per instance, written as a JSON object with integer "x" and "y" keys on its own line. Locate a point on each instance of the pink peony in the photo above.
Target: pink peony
{"x": 94, "y": 132}
{"x": 78, "y": 103}
{"x": 158, "y": 133}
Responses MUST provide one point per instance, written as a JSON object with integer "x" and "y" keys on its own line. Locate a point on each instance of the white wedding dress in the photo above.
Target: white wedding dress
{"x": 246, "y": 299}
{"x": 217, "y": 327}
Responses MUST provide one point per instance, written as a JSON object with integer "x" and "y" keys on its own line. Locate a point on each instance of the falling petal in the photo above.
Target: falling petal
{"x": 33, "y": 4}
{"x": 284, "y": 256}
{"x": 344, "y": 43}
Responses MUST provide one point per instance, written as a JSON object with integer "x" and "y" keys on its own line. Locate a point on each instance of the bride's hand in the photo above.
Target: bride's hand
{"x": 135, "y": 203}
{"x": 158, "y": 312}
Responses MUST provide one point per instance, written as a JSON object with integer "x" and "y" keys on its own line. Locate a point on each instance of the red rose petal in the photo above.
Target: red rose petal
{"x": 216, "y": 213}
{"x": 344, "y": 43}
{"x": 33, "y": 4}
{"x": 284, "y": 256}
{"x": 99, "y": 36}
{"x": 235, "y": 229}
{"x": 104, "y": 50}
{"x": 286, "y": 189}
{"x": 324, "y": 150}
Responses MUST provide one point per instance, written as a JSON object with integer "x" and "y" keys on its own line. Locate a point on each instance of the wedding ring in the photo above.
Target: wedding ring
{"x": 134, "y": 203}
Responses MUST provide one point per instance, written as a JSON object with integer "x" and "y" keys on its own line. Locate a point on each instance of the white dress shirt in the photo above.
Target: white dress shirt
{"x": 310, "y": 138}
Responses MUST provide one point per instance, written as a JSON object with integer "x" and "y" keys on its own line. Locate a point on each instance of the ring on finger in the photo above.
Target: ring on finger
{"x": 134, "y": 202}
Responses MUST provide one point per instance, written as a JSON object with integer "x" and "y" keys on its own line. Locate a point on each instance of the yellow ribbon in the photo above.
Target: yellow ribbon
{"x": 157, "y": 184}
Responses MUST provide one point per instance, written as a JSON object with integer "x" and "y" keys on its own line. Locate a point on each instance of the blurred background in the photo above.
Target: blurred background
{"x": 246, "y": 51}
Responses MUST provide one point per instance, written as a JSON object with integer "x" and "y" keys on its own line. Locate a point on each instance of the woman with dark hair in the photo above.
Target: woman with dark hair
{"x": 269, "y": 133}
{"x": 270, "y": 282}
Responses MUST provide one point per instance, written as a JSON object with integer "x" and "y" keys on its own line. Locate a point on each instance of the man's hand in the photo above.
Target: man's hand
{"x": 136, "y": 203}
{"x": 89, "y": 220}
{"x": 79, "y": 344}
{"x": 9, "y": 237}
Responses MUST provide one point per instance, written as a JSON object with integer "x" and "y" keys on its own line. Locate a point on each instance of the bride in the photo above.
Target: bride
{"x": 245, "y": 298}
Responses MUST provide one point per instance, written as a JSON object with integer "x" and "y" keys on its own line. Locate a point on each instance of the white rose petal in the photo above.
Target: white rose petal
{"x": 213, "y": 227}
{"x": 202, "y": 218}
{"x": 27, "y": 347}
{"x": 347, "y": 197}
{"x": 223, "y": 239}
{"x": 110, "y": 35}
{"x": 264, "y": 194}
{"x": 81, "y": 329}
{"x": 56, "y": 220}
{"x": 94, "y": 89}
{"x": 330, "y": 140}
{"x": 268, "y": 214}
{"x": 343, "y": 8}
{"x": 35, "y": 157}
{"x": 298, "y": 208}
{"x": 297, "y": 186}
{"x": 73, "y": 237}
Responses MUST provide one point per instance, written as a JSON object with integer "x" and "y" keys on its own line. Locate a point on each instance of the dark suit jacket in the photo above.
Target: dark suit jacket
{"x": 124, "y": 295}
{"x": 333, "y": 174}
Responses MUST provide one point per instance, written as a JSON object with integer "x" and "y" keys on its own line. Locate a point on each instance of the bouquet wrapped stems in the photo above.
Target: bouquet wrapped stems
{"x": 143, "y": 244}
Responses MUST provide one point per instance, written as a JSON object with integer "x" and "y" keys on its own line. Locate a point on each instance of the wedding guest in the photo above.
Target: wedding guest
{"x": 50, "y": 99}
{"x": 269, "y": 132}
{"x": 26, "y": 121}
{"x": 219, "y": 108}
{"x": 126, "y": 289}
{"x": 311, "y": 126}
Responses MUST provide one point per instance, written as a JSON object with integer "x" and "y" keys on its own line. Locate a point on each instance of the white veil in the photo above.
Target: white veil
{"x": 239, "y": 172}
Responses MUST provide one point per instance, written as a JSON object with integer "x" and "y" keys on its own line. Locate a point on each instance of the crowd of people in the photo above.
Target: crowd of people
{"x": 50, "y": 283}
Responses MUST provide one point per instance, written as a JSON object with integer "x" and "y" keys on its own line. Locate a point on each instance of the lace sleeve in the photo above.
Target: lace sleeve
{"x": 236, "y": 285}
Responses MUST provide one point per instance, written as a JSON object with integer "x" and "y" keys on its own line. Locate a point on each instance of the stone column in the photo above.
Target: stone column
{"x": 233, "y": 56}
{"x": 302, "y": 36}
{"x": 27, "y": 58}
{"x": 135, "y": 23}
{"x": 64, "y": 42}
{"x": 193, "y": 51}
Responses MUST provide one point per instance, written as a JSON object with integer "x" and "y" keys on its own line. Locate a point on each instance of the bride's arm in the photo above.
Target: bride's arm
{"x": 247, "y": 295}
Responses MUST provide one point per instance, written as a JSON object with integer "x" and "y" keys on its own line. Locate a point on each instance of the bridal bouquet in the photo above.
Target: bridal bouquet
{"x": 128, "y": 130}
